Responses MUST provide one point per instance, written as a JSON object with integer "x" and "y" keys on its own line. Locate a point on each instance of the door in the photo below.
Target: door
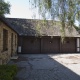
{"x": 31, "y": 45}
{"x": 69, "y": 45}
{"x": 50, "y": 45}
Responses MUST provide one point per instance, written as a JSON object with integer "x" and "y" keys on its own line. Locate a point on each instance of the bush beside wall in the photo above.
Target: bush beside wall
{"x": 8, "y": 72}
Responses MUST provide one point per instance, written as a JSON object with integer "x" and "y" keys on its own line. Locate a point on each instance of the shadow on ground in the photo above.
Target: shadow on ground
{"x": 42, "y": 67}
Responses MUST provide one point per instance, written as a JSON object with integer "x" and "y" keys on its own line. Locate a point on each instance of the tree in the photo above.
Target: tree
{"x": 66, "y": 11}
{"x": 4, "y": 7}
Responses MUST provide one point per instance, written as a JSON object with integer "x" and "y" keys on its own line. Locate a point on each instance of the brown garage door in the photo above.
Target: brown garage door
{"x": 50, "y": 45}
{"x": 31, "y": 45}
{"x": 69, "y": 45}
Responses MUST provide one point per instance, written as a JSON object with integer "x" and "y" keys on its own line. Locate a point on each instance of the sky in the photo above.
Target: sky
{"x": 21, "y": 9}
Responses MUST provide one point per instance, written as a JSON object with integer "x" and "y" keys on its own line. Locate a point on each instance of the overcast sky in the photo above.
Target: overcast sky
{"x": 21, "y": 9}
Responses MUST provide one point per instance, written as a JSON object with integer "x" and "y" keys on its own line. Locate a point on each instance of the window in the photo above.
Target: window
{"x": 5, "y": 40}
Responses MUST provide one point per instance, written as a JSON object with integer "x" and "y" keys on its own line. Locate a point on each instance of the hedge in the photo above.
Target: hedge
{"x": 7, "y": 72}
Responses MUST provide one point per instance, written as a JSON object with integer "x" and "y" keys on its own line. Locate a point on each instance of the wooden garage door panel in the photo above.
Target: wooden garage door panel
{"x": 31, "y": 45}
{"x": 50, "y": 45}
{"x": 69, "y": 45}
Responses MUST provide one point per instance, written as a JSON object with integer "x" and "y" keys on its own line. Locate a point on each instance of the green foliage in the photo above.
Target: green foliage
{"x": 4, "y": 7}
{"x": 7, "y": 72}
{"x": 66, "y": 11}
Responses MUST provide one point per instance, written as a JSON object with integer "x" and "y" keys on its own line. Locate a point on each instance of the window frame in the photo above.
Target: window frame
{"x": 5, "y": 39}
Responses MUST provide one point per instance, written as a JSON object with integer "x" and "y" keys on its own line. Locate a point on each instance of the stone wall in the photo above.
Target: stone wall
{"x": 5, "y": 55}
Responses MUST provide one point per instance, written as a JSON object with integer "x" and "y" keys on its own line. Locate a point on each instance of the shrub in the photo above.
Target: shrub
{"x": 7, "y": 72}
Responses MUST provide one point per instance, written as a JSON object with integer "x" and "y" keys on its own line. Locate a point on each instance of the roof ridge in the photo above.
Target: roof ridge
{"x": 28, "y": 19}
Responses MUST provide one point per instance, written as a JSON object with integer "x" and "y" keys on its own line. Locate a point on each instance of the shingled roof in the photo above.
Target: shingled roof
{"x": 34, "y": 27}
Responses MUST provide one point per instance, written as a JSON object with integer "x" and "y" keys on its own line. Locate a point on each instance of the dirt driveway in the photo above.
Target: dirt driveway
{"x": 48, "y": 66}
